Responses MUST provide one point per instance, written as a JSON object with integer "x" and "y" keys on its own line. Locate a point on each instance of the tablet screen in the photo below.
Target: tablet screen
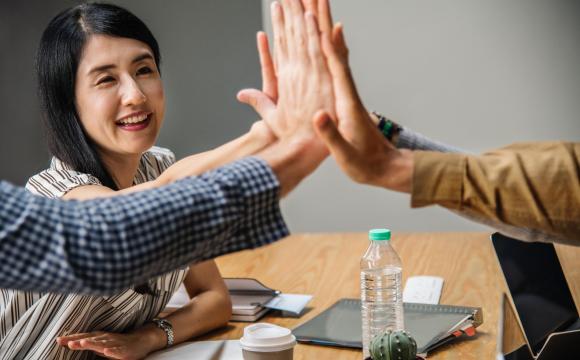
{"x": 538, "y": 287}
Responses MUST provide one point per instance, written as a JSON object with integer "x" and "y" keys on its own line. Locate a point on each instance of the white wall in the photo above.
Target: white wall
{"x": 475, "y": 74}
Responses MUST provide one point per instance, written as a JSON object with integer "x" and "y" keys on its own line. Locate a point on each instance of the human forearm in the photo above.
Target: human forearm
{"x": 405, "y": 138}
{"x": 105, "y": 245}
{"x": 531, "y": 186}
{"x": 248, "y": 144}
{"x": 294, "y": 159}
{"x": 207, "y": 311}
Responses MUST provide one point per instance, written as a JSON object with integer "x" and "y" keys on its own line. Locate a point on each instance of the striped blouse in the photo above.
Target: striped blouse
{"x": 30, "y": 322}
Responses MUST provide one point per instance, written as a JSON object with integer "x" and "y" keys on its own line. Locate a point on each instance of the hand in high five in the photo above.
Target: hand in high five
{"x": 264, "y": 101}
{"x": 298, "y": 81}
{"x": 360, "y": 150}
{"x": 304, "y": 83}
{"x": 358, "y": 147}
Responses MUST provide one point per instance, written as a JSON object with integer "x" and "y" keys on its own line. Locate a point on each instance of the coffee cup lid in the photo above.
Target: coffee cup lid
{"x": 264, "y": 337}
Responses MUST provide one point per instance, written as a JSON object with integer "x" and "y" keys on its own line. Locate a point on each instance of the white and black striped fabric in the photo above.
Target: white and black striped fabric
{"x": 30, "y": 322}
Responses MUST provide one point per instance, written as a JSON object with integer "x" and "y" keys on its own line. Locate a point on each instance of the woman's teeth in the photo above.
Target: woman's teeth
{"x": 133, "y": 119}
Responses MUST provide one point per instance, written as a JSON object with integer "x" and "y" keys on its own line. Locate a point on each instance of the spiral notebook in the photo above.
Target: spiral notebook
{"x": 430, "y": 325}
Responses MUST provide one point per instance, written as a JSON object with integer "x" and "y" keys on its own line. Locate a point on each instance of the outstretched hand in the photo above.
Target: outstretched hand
{"x": 298, "y": 56}
{"x": 129, "y": 346}
{"x": 352, "y": 138}
{"x": 358, "y": 147}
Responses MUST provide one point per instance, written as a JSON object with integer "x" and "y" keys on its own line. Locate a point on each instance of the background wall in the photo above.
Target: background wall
{"x": 476, "y": 74}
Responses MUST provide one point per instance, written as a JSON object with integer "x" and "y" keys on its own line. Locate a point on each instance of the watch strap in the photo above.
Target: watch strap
{"x": 166, "y": 326}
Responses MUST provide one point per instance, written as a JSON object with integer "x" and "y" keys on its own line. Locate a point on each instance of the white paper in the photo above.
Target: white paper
{"x": 292, "y": 303}
{"x": 423, "y": 289}
{"x": 179, "y": 299}
{"x": 201, "y": 350}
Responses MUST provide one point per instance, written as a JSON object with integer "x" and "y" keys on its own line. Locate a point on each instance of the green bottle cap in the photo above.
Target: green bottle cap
{"x": 380, "y": 234}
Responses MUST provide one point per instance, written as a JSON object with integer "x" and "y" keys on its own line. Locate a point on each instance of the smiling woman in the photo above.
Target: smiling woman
{"x": 103, "y": 105}
{"x": 67, "y": 97}
{"x": 120, "y": 101}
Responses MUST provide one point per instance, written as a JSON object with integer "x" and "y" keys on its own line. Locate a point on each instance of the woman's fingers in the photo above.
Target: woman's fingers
{"x": 324, "y": 16}
{"x": 258, "y": 100}
{"x": 94, "y": 344}
{"x": 269, "y": 79}
{"x": 310, "y": 5}
{"x": 64, "y": 340}
{"x": 295, "y": 29}
{"x": 300, "y": 32}
{"x": 286, "y": 15}
{"x": 314, "y": 51}
{"x": 115, "y": 352}
{"x": 280, "y": 45}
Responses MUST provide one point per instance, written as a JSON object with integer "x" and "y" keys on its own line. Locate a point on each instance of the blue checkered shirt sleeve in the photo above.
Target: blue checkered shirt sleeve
{"x": 105, "y": 245}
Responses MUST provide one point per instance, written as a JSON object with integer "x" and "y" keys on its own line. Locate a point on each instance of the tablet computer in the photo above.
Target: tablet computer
{"x": 430, "y": 325}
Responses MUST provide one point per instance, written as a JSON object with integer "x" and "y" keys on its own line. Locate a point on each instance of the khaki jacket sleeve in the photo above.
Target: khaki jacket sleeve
{"x": 528, "y": 185}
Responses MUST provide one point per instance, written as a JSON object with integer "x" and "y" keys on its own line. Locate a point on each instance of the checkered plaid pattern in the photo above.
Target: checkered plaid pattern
{"x": 105, "y": 245}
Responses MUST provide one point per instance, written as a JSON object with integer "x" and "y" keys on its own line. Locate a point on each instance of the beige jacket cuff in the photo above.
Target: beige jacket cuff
{"x": 438, "y": 179}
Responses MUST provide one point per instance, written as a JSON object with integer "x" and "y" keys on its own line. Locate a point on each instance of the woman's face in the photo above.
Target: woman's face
{"x": 119, "y": 95}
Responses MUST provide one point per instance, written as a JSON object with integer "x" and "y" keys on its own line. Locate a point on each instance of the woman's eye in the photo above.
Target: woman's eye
{"x": 105, "y": 80}
{"x": 144, "y": 70}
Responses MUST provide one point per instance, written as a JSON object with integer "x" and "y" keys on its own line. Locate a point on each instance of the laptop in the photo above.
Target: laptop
{"x": 542, "y": 301}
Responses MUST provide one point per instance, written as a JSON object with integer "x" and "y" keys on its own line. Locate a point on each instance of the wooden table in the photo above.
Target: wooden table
{"x": 327, "y": 267}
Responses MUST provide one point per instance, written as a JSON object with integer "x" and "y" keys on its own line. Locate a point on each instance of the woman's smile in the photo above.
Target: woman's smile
{"x": 119, "y": 95}
{"x": 135, "y": 122}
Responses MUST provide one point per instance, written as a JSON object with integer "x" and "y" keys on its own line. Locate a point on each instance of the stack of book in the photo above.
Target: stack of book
{"x": 249, "y": 298}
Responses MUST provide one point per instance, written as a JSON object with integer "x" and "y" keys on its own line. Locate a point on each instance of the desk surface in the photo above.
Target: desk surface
{"x": 327, "y": 267}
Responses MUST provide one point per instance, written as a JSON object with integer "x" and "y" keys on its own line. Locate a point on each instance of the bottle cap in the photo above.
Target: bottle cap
{"x": 380, "y": 234}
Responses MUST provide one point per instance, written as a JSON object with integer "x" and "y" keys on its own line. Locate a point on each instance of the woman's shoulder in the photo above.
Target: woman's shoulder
{"x": 157, "y": 159}
{"x": 161, "y": 153}
{"x": 58, "y": 179}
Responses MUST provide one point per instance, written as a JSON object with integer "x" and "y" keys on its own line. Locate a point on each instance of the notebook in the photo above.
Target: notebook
{"x": 430, "y": 325}
{"x": 250, "y": 300}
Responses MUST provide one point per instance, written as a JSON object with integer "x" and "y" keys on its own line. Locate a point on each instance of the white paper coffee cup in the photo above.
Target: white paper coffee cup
{"x": 265, "y": 341}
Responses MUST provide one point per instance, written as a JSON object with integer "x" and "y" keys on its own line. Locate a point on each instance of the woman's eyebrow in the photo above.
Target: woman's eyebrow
{"x": 111, "y": 66}
{"x": 142, "y": 57}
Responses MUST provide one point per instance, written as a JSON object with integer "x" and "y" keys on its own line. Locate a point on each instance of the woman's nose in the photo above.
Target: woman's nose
{"x": 132, "y": 93}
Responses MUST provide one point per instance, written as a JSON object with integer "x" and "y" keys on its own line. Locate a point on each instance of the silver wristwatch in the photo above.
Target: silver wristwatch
{"x": 167, "y": 327}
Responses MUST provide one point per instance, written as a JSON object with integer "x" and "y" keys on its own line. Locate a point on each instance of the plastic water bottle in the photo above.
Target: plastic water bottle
{"x": 381, "y": 290}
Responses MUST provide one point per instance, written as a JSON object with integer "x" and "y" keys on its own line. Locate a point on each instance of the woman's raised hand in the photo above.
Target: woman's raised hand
{"x": 297, "y": 84}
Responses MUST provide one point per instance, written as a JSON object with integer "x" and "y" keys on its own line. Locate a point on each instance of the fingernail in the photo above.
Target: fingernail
{"x": 323, "y": 121}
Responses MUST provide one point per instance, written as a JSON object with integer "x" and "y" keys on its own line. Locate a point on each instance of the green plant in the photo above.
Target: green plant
{"x": 398, "y": 345}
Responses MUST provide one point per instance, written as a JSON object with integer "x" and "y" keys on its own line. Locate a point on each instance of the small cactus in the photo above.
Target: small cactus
{"x": 398, "y": 345}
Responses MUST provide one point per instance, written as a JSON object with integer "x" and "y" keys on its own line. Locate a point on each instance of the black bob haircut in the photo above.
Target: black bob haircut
{"x": 57, "y": 62}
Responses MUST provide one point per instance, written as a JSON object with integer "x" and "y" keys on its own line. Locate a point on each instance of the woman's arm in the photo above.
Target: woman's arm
{"x": 248, "y": 144}
{"x": 258, "y": 138}
{"x": 210, "y": 308}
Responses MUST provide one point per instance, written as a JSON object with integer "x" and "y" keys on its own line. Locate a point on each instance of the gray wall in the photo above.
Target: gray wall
{"x": 476, "y": 74}
{"x": 208, "y": 54}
